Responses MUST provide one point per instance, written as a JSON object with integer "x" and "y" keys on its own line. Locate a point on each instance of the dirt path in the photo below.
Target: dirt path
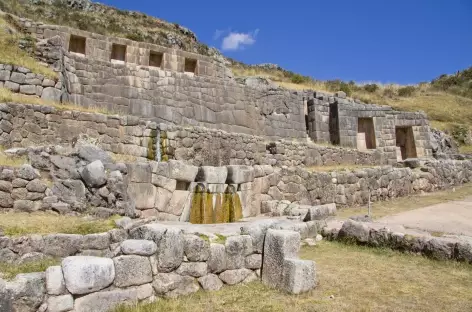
{"x": 454, "y": 217}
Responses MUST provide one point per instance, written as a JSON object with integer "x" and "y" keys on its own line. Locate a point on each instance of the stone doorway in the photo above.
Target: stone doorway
{"x": 334, "y": 124}
{"x": 365, "y": 134}
{"x": 406, "y": 147}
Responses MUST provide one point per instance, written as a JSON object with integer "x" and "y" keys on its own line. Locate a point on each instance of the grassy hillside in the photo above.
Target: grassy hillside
{"x": 106, "y": 20}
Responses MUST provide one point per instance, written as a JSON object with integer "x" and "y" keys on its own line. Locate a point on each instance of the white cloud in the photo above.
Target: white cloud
{"x": 236, "y": 41}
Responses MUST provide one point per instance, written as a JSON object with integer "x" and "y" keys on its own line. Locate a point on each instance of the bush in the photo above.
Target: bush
{"x": 389, "y": 93}
{"x": 345, "y": 88}
{"x": 371, "y": 87}
{"x": 406, "y": 91}
{"x": 296, "y": 78}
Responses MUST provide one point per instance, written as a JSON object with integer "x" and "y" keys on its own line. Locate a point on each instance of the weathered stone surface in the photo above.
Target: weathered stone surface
{"x": 95, "y": 241}
{"x": 195, "y": 269}
{"x": 233, "y": 277}
{"x": 216, "y": 175}
{"x": 354, "y": 230}
{"x": 51, "y": 94}
{"x": 170, "y": 250}
{"x": 36, "y": 186}
{"x": 320, "y": 212}
{"x": 217, "y": 260}
{"x": 61, "y": 245}
{"x": 237, "y": 248}
{"x": 105, "y": 301}
{"x": 60, "y": 303}
{"x": 181, "y": 171}
{"x": 253, "y": 262}
{"x": 153, "y": 232}
{"x": 84, "y": 274}
{"x": 144, "y": 195}
{"x": 138, "y": 247}
{"x": 176, "y": 203}
{"x": 278, "y": 246}
{"x": 240, "y": 174}
{"x": 24, "y": 205}
{"x": 139, "y": 172}
{"x": 298, "y": 275}
{"x": 132, "y": 270}
{"x": 196, "y": 248}
{"x": 164, "y": 182}
{"x": 27, "y": 291}
{"x": 94, "y": 174}
{"x": 210, "y": 282}
{"x": 27, "y": 172}
{"x": 91, "y": 153}
{"x": 55, "y": 284}
{"x": 173, "y": 285}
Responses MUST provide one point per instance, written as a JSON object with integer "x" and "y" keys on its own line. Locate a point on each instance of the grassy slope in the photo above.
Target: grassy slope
{"x": 11, "y": 54}
{"x": 357, "y": 278}
{"x": 110, "y": 21}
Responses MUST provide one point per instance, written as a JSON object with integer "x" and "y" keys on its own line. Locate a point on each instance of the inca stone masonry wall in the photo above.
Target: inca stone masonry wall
{"x": 158, "y": 261}
{"x": 209, "y": 96}
{"x": 24, "y": 125}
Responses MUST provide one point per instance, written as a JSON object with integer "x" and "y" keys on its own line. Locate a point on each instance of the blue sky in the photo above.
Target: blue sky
{"x": 403, "y": 41}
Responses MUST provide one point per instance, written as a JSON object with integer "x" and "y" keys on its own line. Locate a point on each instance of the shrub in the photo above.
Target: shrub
{"x": 371, "y": 87}
{"x": 296, "y": 78}
{"x": 389, "y": 93}
{"x": 406, "y": 91}
{"x": 345, "y": 88}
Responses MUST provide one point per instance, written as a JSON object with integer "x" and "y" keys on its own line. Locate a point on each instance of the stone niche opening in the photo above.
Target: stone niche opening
{"x": 77, "y": 44}
{"x": 334, "y": 124}
{"x": 406, "y": 147}
{"x": 365, "y": 134}
{"x": 190, "y": 66}
{"x": 155, "y": 59}
{"x": 118, "y": 52}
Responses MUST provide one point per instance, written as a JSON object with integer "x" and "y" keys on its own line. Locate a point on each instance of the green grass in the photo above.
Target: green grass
{"x": 19, "y": 223}
{"x": 9, "y": 271}
{"x": 386, "y": 208}
{"x": 351, "y": 278}
{"x": 220, "y": 239}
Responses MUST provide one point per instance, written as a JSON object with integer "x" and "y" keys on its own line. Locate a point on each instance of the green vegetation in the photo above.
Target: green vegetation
{"x": 351, "y": 278}
{"x": 10, "y": 270}
{"x": 21, "y": 223}
{"x": 221, "y": 239}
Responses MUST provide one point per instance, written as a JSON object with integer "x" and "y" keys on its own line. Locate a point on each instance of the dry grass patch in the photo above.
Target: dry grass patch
{"x": 386, "y": 208}
{"x": 9, "y": 270}
{"x": 6, "y": 160}
{"x": 10, "y": 53}
{"x": 6, "y": 96}
{"x": 123, "y": 158}
{"x": 358, "y": 278}
{"x": 21, "y": 223}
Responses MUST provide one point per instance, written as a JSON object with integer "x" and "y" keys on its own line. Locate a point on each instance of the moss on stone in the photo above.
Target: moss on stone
{"x": 208, "y": 208}
{"x": 151, "y": 148}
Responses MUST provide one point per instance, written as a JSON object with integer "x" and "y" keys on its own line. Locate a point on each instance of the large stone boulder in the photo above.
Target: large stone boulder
{"x": 138, "y": 247}
{"x": 353, "y": 230}
{"x": 173, "y": 285}
{"x": 132, "y": 270}
{"x": 105, "y": 301}
{"x": 238, "y": 174}
{"x": 94, "y": 174}
{"x": 209, "y": 174}
{"x": 196, "y": 248}
{"x": 182, "y": 172}
{"x": 233, "y": 277}
{"x": 278, "y": 246}
{"x": 86, "y": 274}
{"x": 298, "y": 276}
{"x": 210, "y": 282}
{"x": 26, "y": 291}
{"x": 170, "y": 250}
{"x": 217, "y": 260}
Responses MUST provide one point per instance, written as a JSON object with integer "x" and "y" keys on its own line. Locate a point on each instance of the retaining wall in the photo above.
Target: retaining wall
{"x": 161, "y": 261}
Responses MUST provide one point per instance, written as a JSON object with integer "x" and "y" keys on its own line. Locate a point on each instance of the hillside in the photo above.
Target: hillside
{"x": 447, "y": 99}
{"x": 106, "y": 20}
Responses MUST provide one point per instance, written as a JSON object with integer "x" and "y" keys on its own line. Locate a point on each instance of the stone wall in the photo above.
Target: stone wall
{"x": 23, "y": 125}
{"x": 352, "y": 187}
{"x": 21, "y": 80}
{"x": 335, "y": 119}
{"x": 158, "y": 261}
